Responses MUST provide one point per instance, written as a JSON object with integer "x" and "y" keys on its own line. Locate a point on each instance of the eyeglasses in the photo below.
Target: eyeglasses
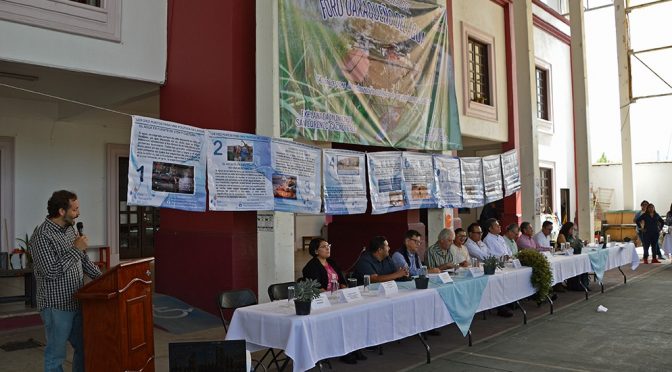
{"x": 461, "y": 236}
{"x": 417, "y": 241}
{"x": 325, "y": 246}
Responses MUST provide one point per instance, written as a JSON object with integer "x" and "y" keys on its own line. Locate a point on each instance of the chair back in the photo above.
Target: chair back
{"x": 231, "y": 300}
{"x": 278, "y": 291}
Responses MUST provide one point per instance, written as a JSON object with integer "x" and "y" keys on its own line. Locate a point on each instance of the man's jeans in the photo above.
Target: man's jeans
{"x": 61, "y": 326}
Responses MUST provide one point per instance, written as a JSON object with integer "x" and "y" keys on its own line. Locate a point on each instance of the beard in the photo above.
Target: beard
{"x": 69, "y": 221}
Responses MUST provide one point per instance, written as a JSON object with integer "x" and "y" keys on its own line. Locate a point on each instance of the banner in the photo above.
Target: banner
{"x": 511, "y": 172}
{"x": 448, "y": 178}
{"x": 296, "y": 177}
{"x": 472, "y": 182}
{"x": 166, "y": 165}
{"x": 492, "y": 178}
{"x": 386, "y": 184}
{"x": 418, "y": 171}
{"x": 367, "y": 72}
{"x": 239, "y": 169}
{"x": 344, "y": 182}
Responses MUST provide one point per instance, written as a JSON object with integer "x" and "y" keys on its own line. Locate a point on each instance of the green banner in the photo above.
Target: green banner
{"x": 367, "y": 72}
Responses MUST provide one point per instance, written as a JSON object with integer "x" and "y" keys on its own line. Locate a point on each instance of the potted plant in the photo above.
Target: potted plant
{"x": 305, "y": 292}
{"x": 24, "y": 246}
{"x": 542, "y": 278}
{"x": 490, "y": 264}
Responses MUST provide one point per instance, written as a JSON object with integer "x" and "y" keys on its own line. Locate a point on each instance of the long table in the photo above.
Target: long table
{"x": 565, "y": 267}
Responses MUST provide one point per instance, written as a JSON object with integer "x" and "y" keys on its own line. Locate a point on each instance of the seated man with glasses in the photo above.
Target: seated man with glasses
{"x": 459, "y": 250}
{"x": 438, "y": 255}
{"x": 475, "y": 245}
{"x": 407, "y": 256}
{"x": 376, "y": 263}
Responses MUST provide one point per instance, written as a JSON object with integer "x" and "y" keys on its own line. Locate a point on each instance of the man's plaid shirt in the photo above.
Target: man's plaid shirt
{"x": 59, "y": 266}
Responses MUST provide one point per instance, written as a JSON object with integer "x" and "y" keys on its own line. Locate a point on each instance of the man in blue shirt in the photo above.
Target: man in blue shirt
{"x": 407, "y": 256}
{"x": 377, "y": 263}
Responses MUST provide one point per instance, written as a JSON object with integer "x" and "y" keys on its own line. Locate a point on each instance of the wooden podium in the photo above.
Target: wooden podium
{"x": 117, "y": 319}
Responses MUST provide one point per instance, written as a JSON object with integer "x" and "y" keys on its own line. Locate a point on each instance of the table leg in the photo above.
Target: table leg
{"x": 550, "y": 302}
{"x": 524, "y": 312}
{"x": 584, "y": 288}
{"x": 469, "y": 335}
{"x": 625, "y": 278}
{"x": 429, "y": 357}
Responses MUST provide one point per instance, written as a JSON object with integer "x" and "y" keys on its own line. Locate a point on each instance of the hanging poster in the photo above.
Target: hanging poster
{"x": 166, "y": 165}
{"x": 296, "y": 177}
{"x": 472, "y": 182}
{"x": 492, "y": 178}
{"x": 344, "y": 181}
{"x": 448, "y": 176}
{"x": 386, "y": 184}
{"x": 511, "y": 172}
{"x": 368, "y": 72}
{"x": 418, "y": 171}
{"x": 239, "y": 169}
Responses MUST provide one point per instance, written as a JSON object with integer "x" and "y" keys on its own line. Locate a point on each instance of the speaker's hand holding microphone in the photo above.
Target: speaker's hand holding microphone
{"x": 82, "y": 242}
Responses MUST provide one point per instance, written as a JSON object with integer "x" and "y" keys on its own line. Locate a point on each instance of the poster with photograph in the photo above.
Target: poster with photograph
{"x": 448, "y": 178}
{"x": 473, "y": 194}
{"x": 344, "y": 181}
{"x": 492, "y": 178}
{"x": 386, "y": 183}
{"x": 511, "y": 172}
{"x": 239, "y": 168}
{"x": 296, "y": 180}
{"x": 418, "y": 171}
{"x": 166, "y": 165}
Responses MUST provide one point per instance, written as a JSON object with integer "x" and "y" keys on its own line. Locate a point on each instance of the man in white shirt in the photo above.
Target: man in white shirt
{"x": 496, "y": 244}
{"x": 474, "y": 244}
{"x": 543, "y": 237}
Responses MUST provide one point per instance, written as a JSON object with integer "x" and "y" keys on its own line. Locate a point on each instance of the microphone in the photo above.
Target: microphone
{"x": 80, "y": 228}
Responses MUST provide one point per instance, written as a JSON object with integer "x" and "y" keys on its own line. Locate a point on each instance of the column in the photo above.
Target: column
{"x": 275, "y": 249}
{"x": 526, "y": 107}
{"x": 582, "y": 161}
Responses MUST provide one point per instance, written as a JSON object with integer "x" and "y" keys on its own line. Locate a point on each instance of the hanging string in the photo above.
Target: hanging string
{"x": 65, "y": 99}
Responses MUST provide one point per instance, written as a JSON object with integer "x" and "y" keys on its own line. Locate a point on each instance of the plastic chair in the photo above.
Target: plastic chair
{"x": 278, "y": 291}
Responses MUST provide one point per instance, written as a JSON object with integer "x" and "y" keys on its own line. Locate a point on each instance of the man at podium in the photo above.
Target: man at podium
{"x": 60, "y": 262}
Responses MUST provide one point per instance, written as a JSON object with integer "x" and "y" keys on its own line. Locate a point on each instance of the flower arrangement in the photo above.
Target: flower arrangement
{"x": 542, "y": 277}
{"x": 491, "y": 263}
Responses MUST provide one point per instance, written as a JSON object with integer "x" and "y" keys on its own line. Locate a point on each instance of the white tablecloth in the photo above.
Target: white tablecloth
{"x": 342, "y": 328}
{"x": 622, "y": 254}
{"x": 565, "y": 267}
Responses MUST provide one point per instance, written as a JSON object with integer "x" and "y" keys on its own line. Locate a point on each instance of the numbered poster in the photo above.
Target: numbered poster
{"x": 239, "y": 171}
{"x": 418, "y": 171}
{"x": 472, "y": 182}
{"x": 344, "y": 181}
{"x": 296, "y": 178}
{"x": 511, "y": 172}
{"x": 448, "y": 176}
{"x": 386, "y": 184}
{"x": 166, "y": 165}
{"x": 492, "y": 178}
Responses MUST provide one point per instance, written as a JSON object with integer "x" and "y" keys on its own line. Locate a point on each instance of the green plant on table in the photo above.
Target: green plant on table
{"x": 542, "y": 278}
{"x": 24, "y": 246}
{"x": 307, "y": 290}
{"x": 492, "y": 263}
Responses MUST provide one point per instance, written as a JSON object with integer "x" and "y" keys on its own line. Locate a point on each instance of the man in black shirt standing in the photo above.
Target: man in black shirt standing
{"x": 60, "y": 262}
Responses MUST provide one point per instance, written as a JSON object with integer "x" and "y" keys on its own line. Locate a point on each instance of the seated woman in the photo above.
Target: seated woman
{"x": 566, "y": 235}
{"x": 321, "y": 267}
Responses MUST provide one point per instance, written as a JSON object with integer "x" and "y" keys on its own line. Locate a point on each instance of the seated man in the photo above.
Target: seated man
{"x": 510, "y": 237}
{"x": 526, "y": 239}
{"x": 543, "y": 237}
{"x": 407, "y": 256}
{"x": 475, "y": 245}
{"x": 438, "y": 255}
{"x": 377, "y": 263}
{"x": 495, "y": 242}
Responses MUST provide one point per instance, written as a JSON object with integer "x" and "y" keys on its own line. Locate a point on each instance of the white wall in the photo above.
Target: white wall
{"x": 52, "y": 155}
{"x": 306, "y": 225}
{"x": 653, "y": 180}
{"x": 140, "y": 55}
{"x": 487, "y": 17}
{"x": 556, "y": 141}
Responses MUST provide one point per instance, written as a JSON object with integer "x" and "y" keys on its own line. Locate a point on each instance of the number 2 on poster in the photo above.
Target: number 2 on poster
{"x": 218, "y": 147}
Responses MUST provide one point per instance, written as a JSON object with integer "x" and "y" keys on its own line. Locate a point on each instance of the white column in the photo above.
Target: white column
{"x": 581, "y": 128}
{"x": 436, "y": 221}
{"x": 275, "y": 249}
{"x": 527, "y": 105}
{"x": 623, "y": 59}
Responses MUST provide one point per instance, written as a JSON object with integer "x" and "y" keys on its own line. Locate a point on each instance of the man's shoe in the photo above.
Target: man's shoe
{"x": 434, "y": 332}
{"x": 504, "y": 313}
{"x": 655, "y": 260}
{"x": 359, "y": 355}
{"x": 348, "y": 359}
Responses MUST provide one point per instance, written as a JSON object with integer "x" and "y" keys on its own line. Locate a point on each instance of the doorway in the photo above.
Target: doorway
{"x": 565, "y": 213}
